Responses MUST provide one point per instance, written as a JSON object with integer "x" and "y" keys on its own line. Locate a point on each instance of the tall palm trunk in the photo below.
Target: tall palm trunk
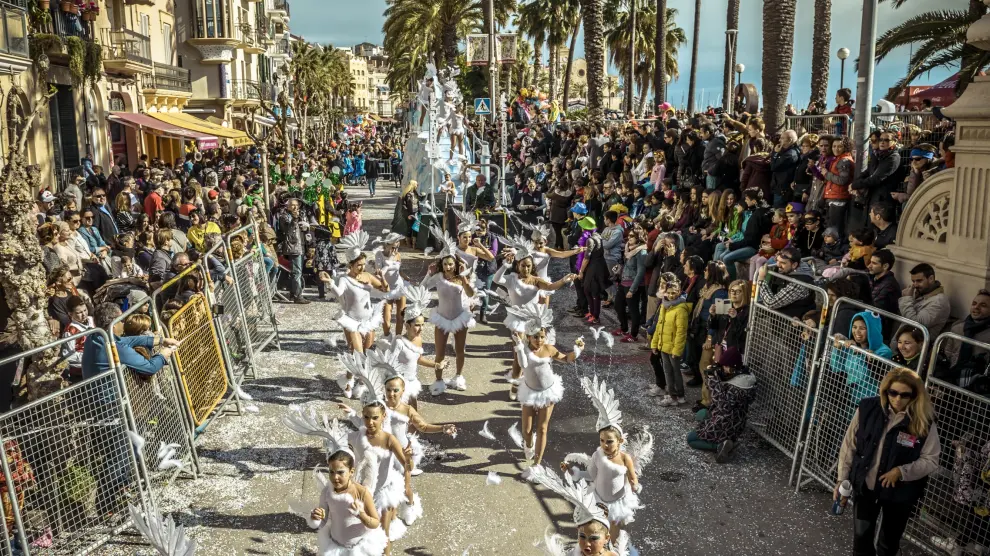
{"x": 537, "y": 62}
{"x": 554, "y": 69}
{"x": 660, "y": 47}
{"x": 594, "y": 51}
{"x": 644, "y": 91}
{"x": 694, "y": 56}
{"x": 631, "y": 75}
{"x": 821, "y": 53}
{"x": 449, "y": 37}
{"x": 778, "y": 52}
{"x": 731, "y": 47}
{"x": 570, "y": 60}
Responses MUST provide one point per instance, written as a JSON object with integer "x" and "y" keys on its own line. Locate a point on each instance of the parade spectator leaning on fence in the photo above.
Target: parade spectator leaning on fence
{"x": 924, "y": 301}
{"x": 907, "y": 347}
{"x": 889, "y": 450}
{"x": 790, "y": 298}
{"x": 95, "y": 361}
{"x": 976, "y": 326}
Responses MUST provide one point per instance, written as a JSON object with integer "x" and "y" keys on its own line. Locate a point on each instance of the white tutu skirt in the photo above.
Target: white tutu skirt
{"x": 623, "y": 510}
{"x": 365, "y": 326}
{"x": 372, "y": 543}
{"x": 397, "y": 292}
{"x": 413, "y": 388}
{"x": 541, "y": 398}
{"x": 392, "y": 493}
{"x": 417, "y": 449}
{"x": 463, "y": 321}
{"x": 515, "y": 323}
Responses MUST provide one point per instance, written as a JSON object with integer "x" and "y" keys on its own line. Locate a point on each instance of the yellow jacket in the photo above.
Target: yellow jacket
{"x": 670, "y": 335}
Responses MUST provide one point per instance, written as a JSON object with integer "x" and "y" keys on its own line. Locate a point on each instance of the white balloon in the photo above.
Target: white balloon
{"x": 335, "y": 170}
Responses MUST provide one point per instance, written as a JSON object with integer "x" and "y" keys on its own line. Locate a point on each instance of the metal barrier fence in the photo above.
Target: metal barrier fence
{"x": 781, "y": 352}
{"x": 254, "y": 291}
{"x": 955, "y": 506}
{"x": 384, "y": 169}
{"x": 69, "y": 468}
{"x": 846, "y": 375}
{"x": 160, "y": 414}
{"x": 932, "y": 130}
{"x": 826, "y": 124}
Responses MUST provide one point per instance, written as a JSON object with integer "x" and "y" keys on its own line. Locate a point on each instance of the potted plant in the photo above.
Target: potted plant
{"x": 44, "y": 4}
{"x": 67, "y": 5}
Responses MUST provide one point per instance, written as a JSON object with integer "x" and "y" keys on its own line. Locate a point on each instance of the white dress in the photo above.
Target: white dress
{"x": 341, "y": 533}
{"x": 408, "y": 356}
{"x": 539, "y": 386}
{"x": 520, "y": 294}
{"x": 390, "y": 272}
{"x": 470, "y": 260}
{"x": 359, "y": 313}
{"x": 398, "y": 425}
{"x": 611, "y": 488}
{"x": 542, "y": 263}
{"x": 382, "y": 474}
{"x": 453, "y": 313}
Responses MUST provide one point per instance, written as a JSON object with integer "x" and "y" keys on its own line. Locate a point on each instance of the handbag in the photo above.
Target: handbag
{"x": 415, "y": 224}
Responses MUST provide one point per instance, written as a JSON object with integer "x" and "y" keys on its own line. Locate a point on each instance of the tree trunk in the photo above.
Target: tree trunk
{"x": 570, "y": 62}
{"x": 644, "y": 91}
{"x": 660, "y": 47}
{"x": 537, "y": 63}
{"x": 821, "y": 53}
{"x": 692, "y": 83}
{"x": 631, "y": 75}
{"x": 594, "y": 51}
{"x": 731, "y": 48}
{"x": 449, "y": 45}
{"x": 554, "y": 54}
{"x": 778, "y": 53}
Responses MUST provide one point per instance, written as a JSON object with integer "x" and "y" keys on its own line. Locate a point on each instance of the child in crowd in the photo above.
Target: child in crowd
{"x": 353, "y": 218}
{"x": 669, "y": 341}
{"x": 72, "y": 351}
{"x": 861, "y": 249}
{"x": 771, "y": 243}
{"x": 833, "y": 249}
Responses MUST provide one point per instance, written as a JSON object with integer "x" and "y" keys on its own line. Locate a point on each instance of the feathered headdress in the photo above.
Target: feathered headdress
{"x": 605, "y": 402}
{"x": 417, "y": 300}
{"x": 334, "y": 436}
{"x": 372, "y": 377}
{"x": 449, "y": 243}
{"x": 586, "y": 507}
{"x": 165, "y": 536}
{"x": 386, "y": 361}
{"x": 540, "y": 230}
{"x": 388, "y": 238}
{"x": 522, "y": 246}
{"x": 536, "y": 316}
{"x": 352, "y": 246}
{"x": 431, "y": 71}
{"x": 468, "y": 221}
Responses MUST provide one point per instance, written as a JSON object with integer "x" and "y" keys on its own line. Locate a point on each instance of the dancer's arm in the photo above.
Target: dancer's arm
{"x": 499, "y": 277}
{"x": 630, "y": 471}
{"x": 430, "y": 363}
{"x": 426, "y": 428}
{"x": 556, "y": 285}
{"x": 336, "y": 287}
{"x": 481, "y": 251}
{"x": 563, "y": 254}
{"x": 400, "y": 455}
{"x": 321, "y": 513}
{"x": 466, "y": 284}
{"x": 569, "y": 357}
{"x": 366, "y": 510}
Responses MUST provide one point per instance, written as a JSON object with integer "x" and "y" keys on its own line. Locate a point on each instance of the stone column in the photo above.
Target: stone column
{"x": 946, "y": 223}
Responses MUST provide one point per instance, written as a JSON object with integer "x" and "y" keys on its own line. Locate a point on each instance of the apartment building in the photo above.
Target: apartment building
{"x": 369, "y": 69}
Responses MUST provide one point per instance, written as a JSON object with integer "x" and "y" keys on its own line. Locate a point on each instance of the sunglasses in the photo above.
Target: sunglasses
{"x": 735, "y": 290}
{"x": 891, "y": 393}
{"x": 918, "y": 159}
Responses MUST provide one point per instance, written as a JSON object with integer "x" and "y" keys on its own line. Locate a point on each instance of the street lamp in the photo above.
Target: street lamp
{"x": 740, "y": 68}
{"x": 843, "y": 53}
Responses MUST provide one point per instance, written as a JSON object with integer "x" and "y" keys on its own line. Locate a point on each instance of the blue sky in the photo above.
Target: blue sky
{"x": 353, "y": 22}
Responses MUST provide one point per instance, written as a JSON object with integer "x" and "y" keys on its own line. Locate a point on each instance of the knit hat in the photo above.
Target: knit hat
{"x": 135, "y": 297}
{"x": 731, "y": 358}
{"x": 587, "y": 223}
{"x": 831, "y": 232}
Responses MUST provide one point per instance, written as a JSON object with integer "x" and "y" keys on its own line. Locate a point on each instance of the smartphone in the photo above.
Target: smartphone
{"x": 722, "y": 306}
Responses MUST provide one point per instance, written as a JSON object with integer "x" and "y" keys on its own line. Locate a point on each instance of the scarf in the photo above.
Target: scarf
{"x": 706, "y": 292}
{"x": 635, "y": 250}
{"x": 971, "y": 328}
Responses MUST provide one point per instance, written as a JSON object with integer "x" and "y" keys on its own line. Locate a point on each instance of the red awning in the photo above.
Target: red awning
{"x": 155, "y": 126}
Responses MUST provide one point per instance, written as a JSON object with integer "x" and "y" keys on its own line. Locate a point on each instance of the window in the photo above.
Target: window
{"x": 146, "y": 25}
{"x": 169, "y": 42}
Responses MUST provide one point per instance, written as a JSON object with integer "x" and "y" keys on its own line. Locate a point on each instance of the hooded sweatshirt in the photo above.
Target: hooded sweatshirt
{"x": 862, "y": 382}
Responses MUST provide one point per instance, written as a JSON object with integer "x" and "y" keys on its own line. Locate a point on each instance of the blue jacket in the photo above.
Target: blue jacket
{"x": 359, "y": 165}
{"x": 861, "y": 381}
{"x": 93, "y": 238}
{"x": 95, "y": 361}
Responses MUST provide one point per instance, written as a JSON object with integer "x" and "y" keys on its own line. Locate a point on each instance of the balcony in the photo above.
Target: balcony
{"x": 213, "y": 34}
{"x": 126, "y": 52}
{"x": 263, "y": 31}
{"x": 245, "y": 91}
{"x": 282, "y": 50}
{"x": 169, "y": 78}
{"x": 14, "y": 50}
{"x": 66, "y": 24}
{"x": 280, "y": 9}
{"x": 248, "y": 41}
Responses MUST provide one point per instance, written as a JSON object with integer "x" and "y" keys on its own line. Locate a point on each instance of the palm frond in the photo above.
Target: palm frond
{"x": 935, "y": 24}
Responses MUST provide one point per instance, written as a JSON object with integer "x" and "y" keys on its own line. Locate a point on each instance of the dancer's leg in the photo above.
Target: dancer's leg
{"x": 400, "y": 315}
{"x": 441, "y": 343}
{"x": 542, "y": 425}
{"x": 387, "y": 318}
{"x": 460, "y": 339}
{"x": 369, "y": 340}
{"x": 528, "y": 414}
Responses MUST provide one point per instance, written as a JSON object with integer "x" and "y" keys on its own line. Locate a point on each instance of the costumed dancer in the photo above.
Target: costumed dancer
{"x": 427, "y": 93}
{"x": 469, "y": 247}
{"x": 388, "y": 260}
{"x": 451, "y": 279}
{"x": 410, "y": 346}
{"x": 540, "y": 388}
{"x": 524, "y": 288}
{"x": 612, "y": 472}
{"x": 591, "y": 518}
{"x": 346, "y": 519}
{"x": 355, "y": 291}
{"x": 382, "y": 465}
{"x": 542, "y": 254}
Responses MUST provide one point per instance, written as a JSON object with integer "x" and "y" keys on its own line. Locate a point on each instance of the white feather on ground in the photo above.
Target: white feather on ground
{"x": 493, "y": 479}
{"x": 137, "y": 440}
{"x": 244, "y": 395}
{"x": 167, "y": 538}
{"x": 486, "y": 433}
{"x": 516, "y": 436}
{"x": 609, "y": 340}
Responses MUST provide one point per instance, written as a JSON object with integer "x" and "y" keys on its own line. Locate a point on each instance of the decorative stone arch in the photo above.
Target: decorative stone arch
{"x": 924, "y": 225}
{"x": 120, "y": 101}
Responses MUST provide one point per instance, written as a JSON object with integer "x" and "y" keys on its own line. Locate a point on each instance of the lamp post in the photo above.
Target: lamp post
{"x": 730, "y": 43}
{"x": 843, "y": 53}
{"x": 740, "y": 68}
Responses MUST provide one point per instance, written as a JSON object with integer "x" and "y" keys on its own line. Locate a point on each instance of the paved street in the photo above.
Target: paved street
{"x": 252, "y": 464}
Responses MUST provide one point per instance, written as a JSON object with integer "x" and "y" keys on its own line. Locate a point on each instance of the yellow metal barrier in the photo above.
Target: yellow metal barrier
{"x": 198, "y": 358}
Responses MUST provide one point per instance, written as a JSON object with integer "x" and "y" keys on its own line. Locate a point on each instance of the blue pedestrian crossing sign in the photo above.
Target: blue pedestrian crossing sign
{"x": 483, "y": 106}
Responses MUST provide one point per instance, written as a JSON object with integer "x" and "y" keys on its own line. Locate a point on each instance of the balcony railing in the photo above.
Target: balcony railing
{"x": 245, "y": 89}
{"x": 13, "y": 33}
{"x": 169, "y": 77}
{"x": 212, "y": 20}
{"x": 281, "y": 6}
{"x": 125, "y": 44}
{"x": 283, "y": 47}
{"x": 263, "y": 29}
{"x": 65, "y": 24}
{"x": 245, "y": 34}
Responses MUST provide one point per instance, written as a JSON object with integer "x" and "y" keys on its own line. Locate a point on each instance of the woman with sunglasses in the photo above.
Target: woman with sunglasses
{"x": 889, "y": 450}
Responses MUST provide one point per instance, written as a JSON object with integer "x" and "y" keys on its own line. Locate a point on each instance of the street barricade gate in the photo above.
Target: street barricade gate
{"x": 780, "y": 352}
{"x": 69, "y": 467}
{"x": 198, "y": 358}
{"x": 956, "y": 504}
{"x": 254, "y": 293}
{"x": 846, "y": 375}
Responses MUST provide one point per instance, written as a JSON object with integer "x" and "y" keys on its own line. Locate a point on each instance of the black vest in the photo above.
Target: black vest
{"x": 797, "y": 308}
{"x": 870, "y": 438}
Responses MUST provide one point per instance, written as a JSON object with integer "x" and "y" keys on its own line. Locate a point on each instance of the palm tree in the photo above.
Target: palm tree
{"x": 522, "y": 71}
{"x": 942, "y": 34}
{"x": 778, "y": 52}
{"x": 694, "y": 55}
{"x": 594, "y": 51}
{"x": 561, "y": 14}
{"x": 821, "y": 54}
{"x": 534, "y": 21}
{"x": 618, "y": 37}
{"x": 731, "y": 47}
{"x": 659, "y": 45}
{"x": 574, "y": 8}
